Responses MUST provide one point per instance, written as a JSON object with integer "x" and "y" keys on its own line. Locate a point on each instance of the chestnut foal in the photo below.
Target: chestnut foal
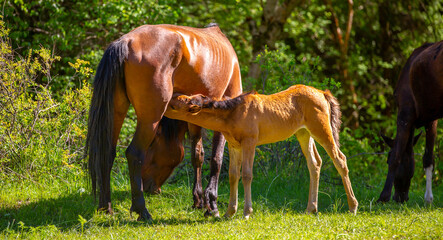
{"x": 254, "y": 119}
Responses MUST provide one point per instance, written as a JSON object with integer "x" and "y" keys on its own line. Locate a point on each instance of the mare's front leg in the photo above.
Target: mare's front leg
{"x": 314, "y": 162}
{"x": 197, "y": 158}
{"x": 428, "y": 159}
{"x": 235, "y": 161}
{"x": 149, "y": 89}
{"x": 248, "y": 152}
{"x": 211, "y": 191}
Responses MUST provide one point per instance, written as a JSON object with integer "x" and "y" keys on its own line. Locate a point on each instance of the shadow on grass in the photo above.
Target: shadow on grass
{"x": 64, "y": 213}
{"x": 271, "y": 194}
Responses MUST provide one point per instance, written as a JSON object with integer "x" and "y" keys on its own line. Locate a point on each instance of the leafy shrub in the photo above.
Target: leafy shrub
{"x": 39, "y": 134}
{"x": 280, "y": 69}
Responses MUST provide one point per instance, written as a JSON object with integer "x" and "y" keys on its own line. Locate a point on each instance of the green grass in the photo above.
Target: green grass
{"x": 59, "y": 209}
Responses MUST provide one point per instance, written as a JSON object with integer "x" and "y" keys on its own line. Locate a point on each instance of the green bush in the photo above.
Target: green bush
{"x": 39, "y": 134}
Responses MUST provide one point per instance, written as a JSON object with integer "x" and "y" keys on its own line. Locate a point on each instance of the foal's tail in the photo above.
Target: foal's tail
{"x": 101, "y": 119}
{"x": 335, "y": 116}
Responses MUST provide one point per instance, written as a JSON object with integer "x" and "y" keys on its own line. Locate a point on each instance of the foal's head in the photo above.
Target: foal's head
{"x": 403, "y": 165}
{"x": 188, "y": 104}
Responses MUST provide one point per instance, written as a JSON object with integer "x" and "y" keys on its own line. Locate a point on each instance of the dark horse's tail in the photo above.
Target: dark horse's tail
{"x": 335, "y": 116}
{"x": 101, "y": 119}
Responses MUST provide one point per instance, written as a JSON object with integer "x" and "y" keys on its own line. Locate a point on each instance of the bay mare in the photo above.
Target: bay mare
{"x": 143, "y": 68}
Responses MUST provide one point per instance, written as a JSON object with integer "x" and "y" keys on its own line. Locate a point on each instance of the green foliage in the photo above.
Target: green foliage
{"x": 280, "y": 70}
{"x": 39, "y": 134}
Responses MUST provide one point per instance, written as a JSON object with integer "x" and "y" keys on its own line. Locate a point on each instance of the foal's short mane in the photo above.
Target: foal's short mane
{"x": 227, "y": 104}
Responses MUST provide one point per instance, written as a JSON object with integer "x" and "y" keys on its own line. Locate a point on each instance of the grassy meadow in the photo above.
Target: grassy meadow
{"x": 57, "y": 208}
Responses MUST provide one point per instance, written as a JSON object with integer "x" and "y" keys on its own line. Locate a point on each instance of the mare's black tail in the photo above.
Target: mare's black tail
{"x": 101, "y": 114}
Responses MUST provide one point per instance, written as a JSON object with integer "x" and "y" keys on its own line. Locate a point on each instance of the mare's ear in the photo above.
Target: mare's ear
{"x": 389, "y": 141}
{"x": 416, "y": 138}
{"x": 194, "y": 109}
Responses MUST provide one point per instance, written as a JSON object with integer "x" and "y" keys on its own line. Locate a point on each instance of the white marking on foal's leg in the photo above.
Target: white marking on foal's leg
{"x": 428, "y": 194}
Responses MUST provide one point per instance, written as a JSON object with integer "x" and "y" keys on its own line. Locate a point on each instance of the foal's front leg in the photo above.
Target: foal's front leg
{"x": 247, "y": 164}
{"x": 235, "y": 159}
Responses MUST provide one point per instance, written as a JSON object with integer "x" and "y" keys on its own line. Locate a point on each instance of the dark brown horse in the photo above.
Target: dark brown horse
{"x": 144, "y": 68}
{"x": 419, "y": 96}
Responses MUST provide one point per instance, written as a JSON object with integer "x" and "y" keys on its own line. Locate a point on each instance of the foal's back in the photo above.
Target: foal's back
{"x": 280, "y": 115}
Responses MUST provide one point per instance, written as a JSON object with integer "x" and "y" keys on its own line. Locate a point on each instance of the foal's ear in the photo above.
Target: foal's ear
{"x": 194, "y": 109}
{"x": 389, "y": 141}
{"x": 416, "y": 138}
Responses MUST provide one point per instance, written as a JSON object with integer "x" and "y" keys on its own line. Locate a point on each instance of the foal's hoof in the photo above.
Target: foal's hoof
{"x": 247, "y": 212}
{"x": 353, "y": 211}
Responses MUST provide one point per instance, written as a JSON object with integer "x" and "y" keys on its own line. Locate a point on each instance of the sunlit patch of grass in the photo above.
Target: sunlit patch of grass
{"x": 63, "y": 209}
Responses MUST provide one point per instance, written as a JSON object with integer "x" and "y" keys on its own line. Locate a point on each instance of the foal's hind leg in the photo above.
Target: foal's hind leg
{"x": 197, "y": 158}
{"x": 314, "y": 162}
{"x": 320, "y": 129}
{"x": 428, "y": 159}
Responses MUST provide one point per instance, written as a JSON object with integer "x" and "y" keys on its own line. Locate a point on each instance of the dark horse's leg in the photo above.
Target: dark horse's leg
{"x": 211, "y": 191}
{"x": 428, "y": 158}
{"x": 403, "y": 140}
{"x": 197, "y": 158}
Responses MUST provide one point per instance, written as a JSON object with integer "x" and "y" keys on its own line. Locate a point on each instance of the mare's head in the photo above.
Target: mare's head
{"x": 164, "y": 154}
{"x": 401, "y": 162}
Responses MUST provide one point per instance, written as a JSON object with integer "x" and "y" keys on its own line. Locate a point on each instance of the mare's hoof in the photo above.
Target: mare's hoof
{"x": 107, "y": 209}
{"x": 143, "y": 215}
{"x": 213, "y": 213}
{"x": 198, "y": 205}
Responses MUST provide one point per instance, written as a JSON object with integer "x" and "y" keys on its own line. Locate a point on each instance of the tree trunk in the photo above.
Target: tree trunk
{"x": 343, "y": 63}
{"x": 274, "y": 16}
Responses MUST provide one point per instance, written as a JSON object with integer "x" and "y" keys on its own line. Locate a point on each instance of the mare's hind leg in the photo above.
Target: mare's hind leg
{"x": 314, "y": 162}
{"x": 121, "y": 105}
{"x": 428, "y": 158}
{"x": 320, "y": 129}
{"x": 197, "y": 158}
{"x": 211, "y": 191}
